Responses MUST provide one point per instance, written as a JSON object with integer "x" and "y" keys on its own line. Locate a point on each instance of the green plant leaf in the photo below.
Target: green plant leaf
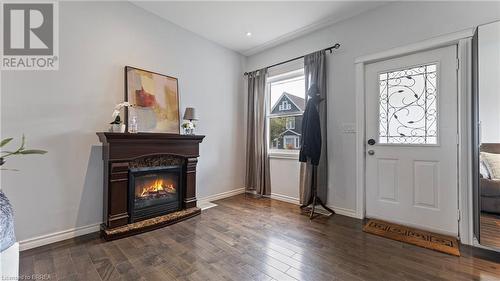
{"x": 33, "y": 151}
{"x": 5, "y": 141}
{"x": 23, "y": 141}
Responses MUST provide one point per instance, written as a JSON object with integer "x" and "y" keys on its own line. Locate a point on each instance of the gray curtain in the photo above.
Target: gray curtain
{"x": 315, "y": 73}
{"x": 257, "y": 171}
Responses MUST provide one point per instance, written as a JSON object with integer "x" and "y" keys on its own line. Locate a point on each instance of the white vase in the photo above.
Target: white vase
{"x": 117, "y": 128}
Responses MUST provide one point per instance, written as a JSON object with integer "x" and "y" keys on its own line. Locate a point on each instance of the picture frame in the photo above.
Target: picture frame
{"x": 155, "y": 101}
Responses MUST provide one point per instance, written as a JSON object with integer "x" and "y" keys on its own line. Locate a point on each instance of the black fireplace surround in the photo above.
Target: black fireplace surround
{"x": 154, "y": 191}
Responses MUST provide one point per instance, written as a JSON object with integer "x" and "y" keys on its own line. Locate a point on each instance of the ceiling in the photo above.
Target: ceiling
{"x": 270, "y": 23}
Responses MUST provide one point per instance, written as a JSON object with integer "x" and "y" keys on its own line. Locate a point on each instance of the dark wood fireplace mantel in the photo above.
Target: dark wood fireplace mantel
{"x": 120, "y": 150}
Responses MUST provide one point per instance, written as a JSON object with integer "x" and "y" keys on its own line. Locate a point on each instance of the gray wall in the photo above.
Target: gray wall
{"x": 393, "y": 25}
{"x": 60, "y": 111}
{"x": 489, "y": 84}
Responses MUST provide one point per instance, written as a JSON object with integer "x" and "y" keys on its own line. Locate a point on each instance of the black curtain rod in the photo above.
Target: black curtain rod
{"x": 336, "y": 46}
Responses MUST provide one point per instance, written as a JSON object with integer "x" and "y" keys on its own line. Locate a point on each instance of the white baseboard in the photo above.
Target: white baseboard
{"x": 338, "y": 210}
{"x": 204, "y": 205}
{"x": 221, "y": 195}
{"x": 57, "y": 236}
{"x": 285, "y": 198}
{"x": 345, "y": 212}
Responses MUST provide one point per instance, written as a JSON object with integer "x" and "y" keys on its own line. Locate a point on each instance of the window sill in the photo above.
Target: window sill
{"x": 284, "y": 155}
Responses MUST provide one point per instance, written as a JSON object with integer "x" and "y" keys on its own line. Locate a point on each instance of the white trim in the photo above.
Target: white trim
{"x": 283, "y": 155}
{"x": 57, "y": 236}
{"x": 285, "y": 198}
{"x": 221, "y": 195}
{"x": 461, "y": 39}
{"x": 345, "y": 212}
{"x": 360, "y": 140}
{"x": 291, "y": 71}
{"x": 433, "y": 43}
{"x": 338, "y": 210}
{"x": 205, "y": 205}
{"x": 464, "y": 75}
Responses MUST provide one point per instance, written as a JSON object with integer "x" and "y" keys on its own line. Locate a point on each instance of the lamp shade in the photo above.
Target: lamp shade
{"x": 190, "y": 114}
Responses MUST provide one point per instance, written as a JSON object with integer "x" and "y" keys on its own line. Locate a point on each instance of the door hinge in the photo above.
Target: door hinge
{"x": 458, "y": 215}
{"x": 458, "y": 64}
{"x": 458, "y": 139}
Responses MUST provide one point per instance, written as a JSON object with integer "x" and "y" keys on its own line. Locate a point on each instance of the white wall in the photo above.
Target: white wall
{"x": 60, "y": 111}
{"x": 489, "y": 84}
{"x": 393, "y": 25}
{"x": 285, "y": 179}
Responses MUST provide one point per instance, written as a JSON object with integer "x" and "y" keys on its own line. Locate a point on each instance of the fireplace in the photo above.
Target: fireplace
{"x": 149, "y": 181}
{"x": 154, "y": 191}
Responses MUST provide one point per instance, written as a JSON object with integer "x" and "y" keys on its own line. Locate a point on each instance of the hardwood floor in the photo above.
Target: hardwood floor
{"x": 244, "y": 238}
{"x": 490, "y": 230}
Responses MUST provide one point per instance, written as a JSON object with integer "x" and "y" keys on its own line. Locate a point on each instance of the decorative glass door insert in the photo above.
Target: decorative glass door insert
{"x": 408, "y": 111}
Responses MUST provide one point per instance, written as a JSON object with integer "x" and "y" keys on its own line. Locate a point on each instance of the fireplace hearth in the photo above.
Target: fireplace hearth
{"x": 154, "y": 191}
{"x": 149, "y": 181}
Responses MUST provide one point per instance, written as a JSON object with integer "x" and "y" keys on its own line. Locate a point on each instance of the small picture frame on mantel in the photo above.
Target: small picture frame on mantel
{"x": 155, "y": 101}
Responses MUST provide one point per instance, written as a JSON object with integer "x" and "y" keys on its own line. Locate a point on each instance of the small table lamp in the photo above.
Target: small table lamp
{"x": 189, "y": 114}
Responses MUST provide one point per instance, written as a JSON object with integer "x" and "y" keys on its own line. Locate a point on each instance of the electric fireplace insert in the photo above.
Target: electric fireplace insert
{"x": 154, "y": 191}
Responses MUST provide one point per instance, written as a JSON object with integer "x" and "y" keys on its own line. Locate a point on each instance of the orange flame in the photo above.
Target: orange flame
{"x": 157, "y": 186}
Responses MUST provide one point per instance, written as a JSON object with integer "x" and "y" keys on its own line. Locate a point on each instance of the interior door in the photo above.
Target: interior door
{"x": 411, "y": 149}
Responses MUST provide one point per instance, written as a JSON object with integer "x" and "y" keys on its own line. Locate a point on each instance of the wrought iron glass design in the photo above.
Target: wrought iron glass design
{"x": 408, "y": 106}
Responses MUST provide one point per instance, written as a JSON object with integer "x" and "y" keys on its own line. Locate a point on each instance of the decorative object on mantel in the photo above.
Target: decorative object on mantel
{"x": 189, "y": 117}
{"x": 116, "y": 125}
{"x": 155, "y": 98}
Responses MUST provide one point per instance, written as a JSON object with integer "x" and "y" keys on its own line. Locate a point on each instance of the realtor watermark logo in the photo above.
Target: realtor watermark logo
{"x": 30, "y": 36}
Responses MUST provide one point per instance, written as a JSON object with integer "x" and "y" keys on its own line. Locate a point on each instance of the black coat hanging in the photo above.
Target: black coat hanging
{"x": 310, "y": 146}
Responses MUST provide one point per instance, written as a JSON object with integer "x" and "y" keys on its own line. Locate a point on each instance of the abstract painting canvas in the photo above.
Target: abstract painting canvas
{"x": 155, "y": 101}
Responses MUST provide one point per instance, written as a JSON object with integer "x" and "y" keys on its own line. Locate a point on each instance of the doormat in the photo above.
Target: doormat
{"x": 421, "y": 238}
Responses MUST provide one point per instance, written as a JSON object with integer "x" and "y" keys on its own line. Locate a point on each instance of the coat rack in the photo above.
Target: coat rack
{"x": 314, "y": 198}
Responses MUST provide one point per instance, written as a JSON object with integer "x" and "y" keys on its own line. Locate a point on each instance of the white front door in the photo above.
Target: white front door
{"x": 411, "y": 140}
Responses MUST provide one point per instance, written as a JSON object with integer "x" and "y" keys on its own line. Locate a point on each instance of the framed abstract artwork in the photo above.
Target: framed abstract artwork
{"x": 155, "y": 101}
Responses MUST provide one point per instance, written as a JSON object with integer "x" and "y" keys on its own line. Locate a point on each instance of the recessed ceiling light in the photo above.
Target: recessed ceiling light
{"x": 249, "y": 34}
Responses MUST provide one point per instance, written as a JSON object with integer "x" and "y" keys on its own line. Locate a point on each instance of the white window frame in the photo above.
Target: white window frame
{"x": 293, "y": 140}
{"x": 280, "y": 153}
{"x": 290, "y": 123}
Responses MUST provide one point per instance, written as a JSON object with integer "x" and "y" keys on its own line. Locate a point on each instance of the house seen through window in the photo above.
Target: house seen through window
{"x": 287, "y": 104}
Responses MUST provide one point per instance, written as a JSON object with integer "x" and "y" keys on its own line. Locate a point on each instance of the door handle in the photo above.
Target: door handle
{"x": 371, "y": 152}
{"x": 371, "y": 141}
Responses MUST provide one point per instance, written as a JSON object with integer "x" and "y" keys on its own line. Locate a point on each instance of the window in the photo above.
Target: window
{"x": 291, "y": 142}
{"x": 285, "y": 106}
{"x": 286, "y": 94}
{"x": 290, "y": 123}
{"x": 408, "y": 106}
